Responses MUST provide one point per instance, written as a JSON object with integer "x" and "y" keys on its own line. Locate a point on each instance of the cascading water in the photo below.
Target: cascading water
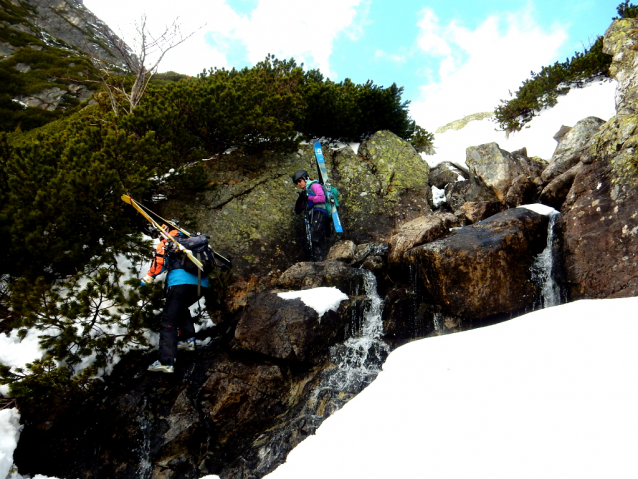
{"x": 356, "y": 363}
{"x": 543, "y": 268}
{"x": 359, "y": 359}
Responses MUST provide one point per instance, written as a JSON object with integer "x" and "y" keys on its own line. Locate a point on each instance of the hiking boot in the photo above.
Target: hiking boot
{"x": 160, "y": 368}
{"x": 188, "y": 345}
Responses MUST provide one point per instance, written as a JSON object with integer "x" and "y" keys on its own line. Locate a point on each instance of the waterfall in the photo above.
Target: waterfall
{"x": 543, "y": 268}
{"x": 355, "y": 364}
{"x": 358, "y": 360}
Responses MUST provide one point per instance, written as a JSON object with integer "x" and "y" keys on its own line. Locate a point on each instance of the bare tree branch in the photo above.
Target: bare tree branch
{"x": 126, "y": 83}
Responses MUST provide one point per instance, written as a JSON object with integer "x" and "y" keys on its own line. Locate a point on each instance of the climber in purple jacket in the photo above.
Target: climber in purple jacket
{"x": 312, "y": 201}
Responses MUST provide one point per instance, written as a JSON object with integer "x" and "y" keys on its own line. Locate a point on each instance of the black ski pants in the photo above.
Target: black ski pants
{"x": 319, "y": 230}
{"x": 176, "y": 315}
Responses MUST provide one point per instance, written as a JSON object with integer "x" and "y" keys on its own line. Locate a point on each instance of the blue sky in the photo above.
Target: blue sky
{"x": 452, "y": 58}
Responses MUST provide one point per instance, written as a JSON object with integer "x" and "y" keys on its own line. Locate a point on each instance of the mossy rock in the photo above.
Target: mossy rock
{"x": 248, "y": 210}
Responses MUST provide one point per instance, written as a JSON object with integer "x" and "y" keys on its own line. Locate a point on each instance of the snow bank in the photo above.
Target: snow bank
{"x": 551, "y": 394}
{"x": 320, "y": 299}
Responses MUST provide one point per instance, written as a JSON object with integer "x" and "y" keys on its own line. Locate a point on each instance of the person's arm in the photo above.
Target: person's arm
{"x": 159, "y": 262}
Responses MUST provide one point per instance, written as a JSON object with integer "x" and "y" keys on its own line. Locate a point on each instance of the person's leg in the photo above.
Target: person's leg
{"x": 318, "y": 231}
{"x": 176, "y": 307}
{"x": 185, "y": 321}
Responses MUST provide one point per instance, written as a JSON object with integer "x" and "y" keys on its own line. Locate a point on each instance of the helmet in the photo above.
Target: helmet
{"x": 300, "y": 174}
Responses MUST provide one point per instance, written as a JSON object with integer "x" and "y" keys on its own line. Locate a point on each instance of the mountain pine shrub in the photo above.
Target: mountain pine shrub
{"x": 543, "y": 89}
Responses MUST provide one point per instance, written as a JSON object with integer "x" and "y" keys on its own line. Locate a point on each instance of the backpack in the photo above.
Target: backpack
{"x": 333, "y": 192}
{"x": 199, "y": 246}
{"x": 335, "y": 196}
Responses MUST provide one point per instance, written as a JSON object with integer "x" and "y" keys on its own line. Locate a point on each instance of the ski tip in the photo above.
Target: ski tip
{"x": 126, "y": 199}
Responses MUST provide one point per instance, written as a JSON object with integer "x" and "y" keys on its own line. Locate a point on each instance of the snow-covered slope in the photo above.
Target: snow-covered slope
{"x": 551, "y": 394}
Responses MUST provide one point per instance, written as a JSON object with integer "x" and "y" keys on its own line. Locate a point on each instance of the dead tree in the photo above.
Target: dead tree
{"x": 125, "y": 79}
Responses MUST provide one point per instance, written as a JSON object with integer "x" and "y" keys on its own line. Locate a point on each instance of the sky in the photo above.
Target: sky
{"x": 452, "y": 58}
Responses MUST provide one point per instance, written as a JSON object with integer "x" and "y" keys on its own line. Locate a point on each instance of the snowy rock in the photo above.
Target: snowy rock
{"x": 446, "y": 172}
{"x": 288, "y": 329}
{"x": 308, "y": 275}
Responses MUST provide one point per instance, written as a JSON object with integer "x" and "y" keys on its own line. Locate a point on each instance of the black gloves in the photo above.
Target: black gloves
{"x": 302, "y": 200}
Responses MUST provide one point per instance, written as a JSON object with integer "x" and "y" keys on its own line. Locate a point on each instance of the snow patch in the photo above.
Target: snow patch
{"x": 320, "y": 299}
{"x": 540, "y": 209}
{"x": 438, "y": 196}
{"x": 9, "y": 435}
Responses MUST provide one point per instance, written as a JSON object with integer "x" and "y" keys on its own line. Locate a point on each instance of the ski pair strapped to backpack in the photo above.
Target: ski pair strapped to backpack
{"x": 330, "y": 195}
{"x": 203, "y": 261}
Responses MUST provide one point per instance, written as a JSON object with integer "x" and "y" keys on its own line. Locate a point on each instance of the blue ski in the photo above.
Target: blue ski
{"x": 323, "y": 179}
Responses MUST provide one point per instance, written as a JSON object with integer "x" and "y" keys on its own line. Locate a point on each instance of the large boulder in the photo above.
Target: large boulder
{"x": 472, "y": 190}
{"x": 555, "y": 193}
{"x": 598, "y": 219}
{"x": 308, "y": 275}
{"x": 502, "y": 171}
{"x": 418, "y": 231}
{"x": 476, "y": 211}
{"x": 483, "y": 269}
{"x": 288, "y": 329}
{"x": 386, "y": 184}
{"x": 570, "y": 147}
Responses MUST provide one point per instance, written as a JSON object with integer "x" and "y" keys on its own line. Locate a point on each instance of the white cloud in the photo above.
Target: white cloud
{"x": 285, "y": 28}
{"x": 288, "y": 28}
{"x": 478, "y": 67}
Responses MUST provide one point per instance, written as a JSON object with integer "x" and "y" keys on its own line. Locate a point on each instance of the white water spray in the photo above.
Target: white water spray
{"x": 543, "y": 267}
{"x": 359, "y": 358}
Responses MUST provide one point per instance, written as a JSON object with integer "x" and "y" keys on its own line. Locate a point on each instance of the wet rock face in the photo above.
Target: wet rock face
{"x": 599, "y": 226}
{"x": 483, "y": 269}
{"x": 249, "y": 210}
{"x": 246, "y": 395}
